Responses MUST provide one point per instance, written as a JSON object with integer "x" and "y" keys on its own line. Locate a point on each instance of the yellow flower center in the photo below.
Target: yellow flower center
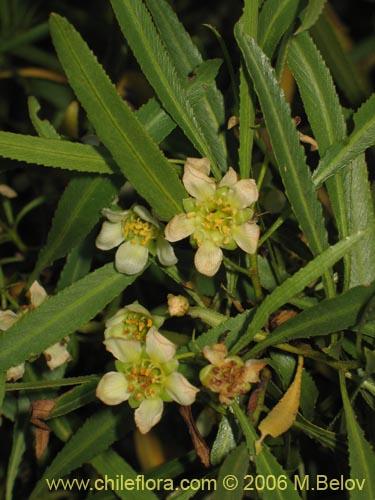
{"x": 144, "y": 381}
{"x": 138, "y": 232}
{"x": 136, "y": 325}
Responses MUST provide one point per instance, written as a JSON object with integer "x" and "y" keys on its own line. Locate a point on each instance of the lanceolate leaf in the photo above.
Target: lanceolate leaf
{"x": 236, "y": 464}
{"x": 341, "y": 154}
{"x": 139, "y": 30}
{"x": 285, "y": 143}
{"x": 93, "y": 437}
{"x": 209, "y": 110}
{"x": 131, "y": 146}
{"x": 54, "y": 153}
{"x": 361, "y": 455}
{"x": 76, "y": 214}
{"x": 311, "y": 14}
{"x": 43, "y": 127}
{"x": 155, "y": 120}
{"x": 275, "y": 18}
{"x": 331, "y": 315}
{"x": 296, "y": 284}
{"x": 61, "y": 315}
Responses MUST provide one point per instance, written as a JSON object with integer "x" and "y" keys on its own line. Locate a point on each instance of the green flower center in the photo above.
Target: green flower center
{"x": 138, "y": 231}
{"x": 144, "y": 381}
{"x": 136, "y": 326}
{"x": 215, "y": 218}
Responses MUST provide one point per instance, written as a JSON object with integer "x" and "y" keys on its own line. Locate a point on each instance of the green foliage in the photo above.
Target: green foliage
{"x": 154, "y": 90}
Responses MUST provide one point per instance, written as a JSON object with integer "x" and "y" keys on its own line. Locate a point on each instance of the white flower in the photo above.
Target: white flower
{"x": 218, "y": 216}
{"x": 136, "y": 233}
{"x": 146, "y": 377}
{"x": 55, "y": 355}
{"x": 131, "y": 322}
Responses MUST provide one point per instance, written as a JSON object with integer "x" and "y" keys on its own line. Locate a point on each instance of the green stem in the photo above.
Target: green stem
{"x": 254, "y": 276}
{"x": 247, "y": 428}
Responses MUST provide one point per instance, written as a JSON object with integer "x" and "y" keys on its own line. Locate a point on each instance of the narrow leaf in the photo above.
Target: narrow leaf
{"x": 42, "y": 126}
{"x": 76, "y": 214}
{"x": 78, "y": 262}
{"x": 329, "y": 316}
{"x": 93, "y": 437}
{"x": 236, "y": 464}
{"x": 144, "y": 40}
{"x": 311, "y": 14}
{"x": 155, "y": 120}
{"x": 285, "y": 142}
{"x": 18, "y": 449}
{"x": 55, "y": 153}
{"x": 361, "y": 455}
{"x": 341, "y": 154}
{"x": 224, "y": 442}
{"x": 75, "y": 398}
{"x": 137, "y": 155}
{"x": 61, "y": 315}
{"x": 275, "y": 18}
{"x": 110, "y": 464}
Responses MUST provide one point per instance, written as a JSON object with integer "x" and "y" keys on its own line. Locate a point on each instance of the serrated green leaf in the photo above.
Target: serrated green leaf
{"x": 345, "y": 74}
{"x": 327, "y": 438}
{"x": 359, "y": 205}
{"x": 137, "y": 155}
{"x": 144, "y": 40}
{"x": 61, "y": 315}
{"x": 42, "y": 126}
{"x": 110, "y": 464}
{"x": 296, "y": 284}
{"x": 361, "y": 455}
{"x": 185, "y": 56}
{"x": 236, "y": 464}
{"x": 76, "y": 214}
{"x": 155, "y": 120}
{"x": 341, "y": 154}
{"x": 285, "y": 142}
{"x": 330, "y": 315}
{"x": 310, "y": 14}
{"x": 55, "y": 153}
{"x": 274, "y": 19}
{"x": 224, "y": 442}
{"x": 75, "y": 398}
{"x": 93, "y": 437}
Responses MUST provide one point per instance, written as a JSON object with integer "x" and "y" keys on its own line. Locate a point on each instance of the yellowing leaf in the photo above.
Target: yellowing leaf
{"x": 283, "y": 415}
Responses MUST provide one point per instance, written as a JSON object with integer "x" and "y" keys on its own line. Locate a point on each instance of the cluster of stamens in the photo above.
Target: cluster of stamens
{"x": 144, "y": 380}
{"x": 228, "y": 379}
{"x": 136, "y": 326}
{"x": 138, "y": 231}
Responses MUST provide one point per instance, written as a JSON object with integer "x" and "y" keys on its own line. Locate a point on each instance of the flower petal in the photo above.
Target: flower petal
{"x": 37, "y": 294}
{"x": 165, "y": 252}
{"x": 145, "y": 214}
{"x": 180, "y": 389}
{"x": 179, "y": 227}
{"x": 116, "y": 318}
{"x": 229, "y": 179}
{"x": 246, "y": 236}
{"x": 201, "y": 164}
{"x": 148, "y": 414}
{"x": 208, "y": 258}
{"x": 131, "y": 258}
{"x": 57, "y": 354}
{"x": 127, "y": 351}
{"x": 253, "y": 367}
{"x": 113, "y": 389}
{"x": 110, "y": 236}
{"x": 15, "y": 372}
{"x": 158, "y": 347}
{"x": 216, "y": 353}
{"x": 115, "y": 215}
{"x": 197, "y": 183}
{"x": 245, "y": 193}
{"x": 7, "y": 319}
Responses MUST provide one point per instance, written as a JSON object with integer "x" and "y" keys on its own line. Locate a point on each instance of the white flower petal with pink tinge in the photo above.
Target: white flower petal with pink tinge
{"x": 253, "y": 367}
{"x": 245, "y": 193}
{"x": 180, "y": 390}
{"x": 179, "y": 227}
{"x": 148, "y": 414}
{"x": 229, "y": 179}
{"x": 158, "y": 347}
{"x": 247, "y": 236}
{"x": 131, "y": 258}
{"x": 110, "y": 236}
{"x": 216, "y": 353}
{"x": 7, "y": 319}
{"x": 201, "y": 164}
{"x": 127, "y": 351}
{"x": 37, "y": 294}
{"x": 198, "y": 184}
{"x": 208, "y": 258}
{"x": 113, "y": 389}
